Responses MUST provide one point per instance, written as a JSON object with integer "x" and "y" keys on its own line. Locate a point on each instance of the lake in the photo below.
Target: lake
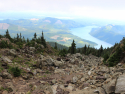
{"x": 83, "y": 32}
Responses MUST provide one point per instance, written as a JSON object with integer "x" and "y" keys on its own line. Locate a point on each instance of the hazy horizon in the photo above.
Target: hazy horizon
{"x": 70, "y": 9}
{"x": 86, "y": 12}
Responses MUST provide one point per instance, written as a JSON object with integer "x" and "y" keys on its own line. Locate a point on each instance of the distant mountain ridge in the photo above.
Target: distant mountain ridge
{"x": 109, "y": 33}
{"x": 52, "y": 27}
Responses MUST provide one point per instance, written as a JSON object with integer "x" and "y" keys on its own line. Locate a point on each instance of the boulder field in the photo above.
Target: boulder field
{"x": 49, "y": 74}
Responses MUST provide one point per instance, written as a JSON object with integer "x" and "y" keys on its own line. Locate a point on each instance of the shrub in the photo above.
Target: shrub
{"x": 106, "y": 56}
{"x": 63, "y": 52}
{"x": 31, "y": 44}
{"x": 27, "y": 63}
{"x": 4, "y": 44}
{"x": 111, "y": 64}
{"x": 16, "y": 71}
{"x": 20, "y": 44}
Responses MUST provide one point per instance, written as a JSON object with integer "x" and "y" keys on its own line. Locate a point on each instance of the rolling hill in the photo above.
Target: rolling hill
{"x": 55, "y": 30}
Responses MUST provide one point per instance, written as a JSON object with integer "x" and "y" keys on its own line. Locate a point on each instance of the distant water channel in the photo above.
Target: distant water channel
{"x": 83, "y": 32}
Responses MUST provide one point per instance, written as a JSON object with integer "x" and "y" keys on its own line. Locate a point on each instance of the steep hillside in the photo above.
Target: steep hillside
{"x": 38, "y": 70}
{"x": 117, "y": 55}
{"x": 110, "y": 33}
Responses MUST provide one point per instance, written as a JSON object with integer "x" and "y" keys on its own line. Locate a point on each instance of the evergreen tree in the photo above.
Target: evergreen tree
{"x": 24, "y": 40}
{"x": 28, "y": 40}
{"x": 84, "y": 49}
{"x": 73, "y": 47}
{"x": 17, "y": 37}
{"x": 43, "y": 42}
{"x": 63, "y": 52}
{"x": 20, "y": 37}
{"x": 1, "y": 36}
{"x": 101, "y": 50}
{"x": 88, "y": 50}
{"x": 35, "y": 36}
{"x": 8, "y": 35}
{"x": 78, "y": 51}
{"x": 55, "y": 46}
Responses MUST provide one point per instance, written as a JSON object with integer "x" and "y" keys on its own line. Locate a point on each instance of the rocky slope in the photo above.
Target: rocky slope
{"x": 49, "y": 74}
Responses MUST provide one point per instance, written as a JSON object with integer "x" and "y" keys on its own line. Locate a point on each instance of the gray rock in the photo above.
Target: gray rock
{"x": 12, "y": 52}
{"x": 49, "y": 61}
{"x": 32, "y": 48}
{"x": 74, "y": 79}
{"x": 34, "y": 72}
{"x": 6, "y": 59}
{"x": 54, "y": 81}
{"x": 59, "y": 71}
{"x": 110, "y": 87}
{"x": 54, "y": 88}
{"x": 41, "y": 56}
{"x": 42, "y": 46}
{"x": 6, "y": 75}
{"x": 72, "y": 61}
{"x": 58, "y": 63}
{"x": 120, "y": 70}
{"x": 89, "y": 73}
{"x": 120, "y": 85}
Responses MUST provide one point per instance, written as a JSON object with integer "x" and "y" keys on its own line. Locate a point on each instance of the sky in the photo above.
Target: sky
{"x": 104, "y": 9}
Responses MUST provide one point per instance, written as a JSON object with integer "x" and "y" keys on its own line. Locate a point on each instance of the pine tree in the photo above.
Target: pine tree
{"x": 55, "y": 46}
{"x": 88, "y": 50}
{"x": 17, "y": 37}
{"x": 73, "y": 47}
{"x": 35, "y": 36}
{"x": 20, "y": 37}
{"x": 8, "y": 35}
{"x": 101, "y": 50}
{"x": 84, "y": 49}
{"x": 28, "y": 40}
{"x": 43, "y": 42}
{"x": 24, "y": 39}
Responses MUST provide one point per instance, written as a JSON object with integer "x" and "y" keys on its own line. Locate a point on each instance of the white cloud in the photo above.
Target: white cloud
{"x": 109, "y": 9}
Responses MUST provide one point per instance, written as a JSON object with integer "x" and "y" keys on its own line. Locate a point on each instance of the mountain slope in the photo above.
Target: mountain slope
{"x": 110, "y": 33}
{"x": 54, "y": 30}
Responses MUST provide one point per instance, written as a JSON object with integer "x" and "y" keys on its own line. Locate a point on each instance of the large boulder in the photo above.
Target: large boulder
{"x": 5, "y": 59}
{"x": 6, "y": 75}
{"x": 120, "y": 85}
{"x": 58, "y": 63}
{"x": 110, "y": 87}
{"x": 32, "y": 48}
{"x": 12, "y": 52}
{"x": 44, "y": 61}
{"x": 49, "y": 61}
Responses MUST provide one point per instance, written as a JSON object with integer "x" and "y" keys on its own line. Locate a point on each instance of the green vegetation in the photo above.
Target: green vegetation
{"x": 4, "y": 44}
{"x": 27, "y": 63}
{"x": 55, "y": 46}
{"x": 63, "y": 52}
{"x": 6, "y": 88}
{"x": 106, "y": 56}
{"x": 115, "y": 57}
{"x": 72, "y": 49}
{"x": 1, "y": 68}
{"x": 59, "y": 46}
{"x": 15, "y": 71}
{"x": 111, "y": 56}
